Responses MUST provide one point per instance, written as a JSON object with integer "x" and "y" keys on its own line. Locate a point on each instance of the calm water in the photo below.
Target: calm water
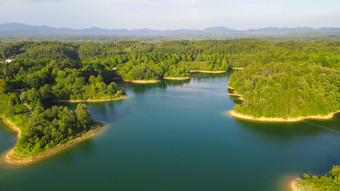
{"x": 176, "y": 136}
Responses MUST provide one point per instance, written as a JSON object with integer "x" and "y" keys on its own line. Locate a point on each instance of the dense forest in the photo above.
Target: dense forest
{"x": 287, "y": 89}
{"x": 53, "y": 126}
{"x": 282, "y": 79}
{"x": 330, "y": 181}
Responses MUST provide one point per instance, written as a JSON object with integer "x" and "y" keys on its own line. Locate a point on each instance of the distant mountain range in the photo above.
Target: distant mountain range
{"x": 23, "y": 29}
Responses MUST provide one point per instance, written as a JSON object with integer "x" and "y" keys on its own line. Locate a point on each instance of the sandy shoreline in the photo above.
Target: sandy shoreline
{"x": 277, "y": 119}
{"x": 89, "y": 100}
{"x": 206, "y": 71}
{"x": 142, "y": 81}
{"x": 11, "y": 126}
{"x": 13, "y": 158}
{"x": 294, "y": 185}
{"x": 176, "y": 78}
{"x": 238, "y": 68}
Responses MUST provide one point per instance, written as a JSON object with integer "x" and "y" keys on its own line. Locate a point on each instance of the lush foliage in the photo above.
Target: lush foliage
{"x": 290, "y": 79}
{"x": 280, "y": 79}
{"x": 328, "y": 182}
{"x": 287, "y": 89}
{"x": 43, "y": 129}
{"x": 53, "y": 126}
{"x": 10, "y": 108}
{"x": 49, "y": 71}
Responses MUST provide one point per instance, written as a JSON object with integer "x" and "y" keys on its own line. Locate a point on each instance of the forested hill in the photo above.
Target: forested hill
{"x": 20, "y": 28}
{"x": 135, "y": 60}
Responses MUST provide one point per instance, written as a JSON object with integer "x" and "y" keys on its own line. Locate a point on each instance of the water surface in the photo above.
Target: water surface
{"x": 175, "y": 135}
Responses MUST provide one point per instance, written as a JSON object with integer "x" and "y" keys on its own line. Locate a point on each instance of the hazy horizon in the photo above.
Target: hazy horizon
{"x": 171, "y": 29}
{"x": 171, "y": 14}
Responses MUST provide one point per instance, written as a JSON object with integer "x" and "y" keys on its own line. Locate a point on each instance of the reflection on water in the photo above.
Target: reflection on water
{"x": 290, "y": 129}
{"x": 141, "y": 88}
{"x": 331, "y": 124}
{"x": 164, "y": 84}
{"x": 200, "y": 76}
{"x": 280, "y": 130}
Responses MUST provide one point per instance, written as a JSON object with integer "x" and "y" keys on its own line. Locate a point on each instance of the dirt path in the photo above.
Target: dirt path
{"x": 23, "y": 103}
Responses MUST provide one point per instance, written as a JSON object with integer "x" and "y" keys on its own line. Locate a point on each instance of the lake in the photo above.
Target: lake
{"x": 176, "y": 135}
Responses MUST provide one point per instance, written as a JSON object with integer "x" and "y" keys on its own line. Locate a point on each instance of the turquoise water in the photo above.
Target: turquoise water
{"x": 175, "y": 135}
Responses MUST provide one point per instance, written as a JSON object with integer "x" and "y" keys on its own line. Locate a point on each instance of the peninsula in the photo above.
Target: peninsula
{"x": 59, "y": 128}
{"x": 329, "y": 181}
{"x": 271, "y": 92}
{"x": 78, "y": 126}
{"x": 14, "y": 157}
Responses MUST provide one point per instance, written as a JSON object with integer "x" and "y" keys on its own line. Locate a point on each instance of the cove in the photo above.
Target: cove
{"x": 176, "y": 135}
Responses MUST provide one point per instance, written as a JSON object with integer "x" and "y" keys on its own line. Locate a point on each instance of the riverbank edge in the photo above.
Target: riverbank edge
{"x": 176, "y": 78}
{"x": 206, "y": 71}
{"x": 277, "y": 119}
{"x": 235, "y": 93}
{"x": 293, "y": 185}
{"x": 143, "y": 81}
{"x": 11, "y": 157}
{"x": 89, "y": 100}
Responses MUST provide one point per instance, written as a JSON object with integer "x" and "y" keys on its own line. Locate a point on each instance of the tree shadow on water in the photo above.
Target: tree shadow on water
{"x": 141, "y": 88}
{"x": 282, "y": 131}
{"x": 199, "y": 76}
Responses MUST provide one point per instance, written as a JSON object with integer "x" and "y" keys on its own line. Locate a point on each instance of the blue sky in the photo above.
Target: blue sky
{"x": 172, "y": 14}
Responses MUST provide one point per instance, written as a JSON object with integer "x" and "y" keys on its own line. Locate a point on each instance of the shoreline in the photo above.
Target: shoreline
{"x": 11, "y": 125}
{"x": 142, "y": 81}
{"x": 280, "y": 119}
{"x": 176, "y": 78}
{"x": 274, "y": 119}
{"x": 238, "y": 68}
{"x": 206, "y": 71}
{"x": 12, "y": 158}
{"x": 89, "y": 100}
{"x": 235, "y": 94}
{"x": 294, "y": 185}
